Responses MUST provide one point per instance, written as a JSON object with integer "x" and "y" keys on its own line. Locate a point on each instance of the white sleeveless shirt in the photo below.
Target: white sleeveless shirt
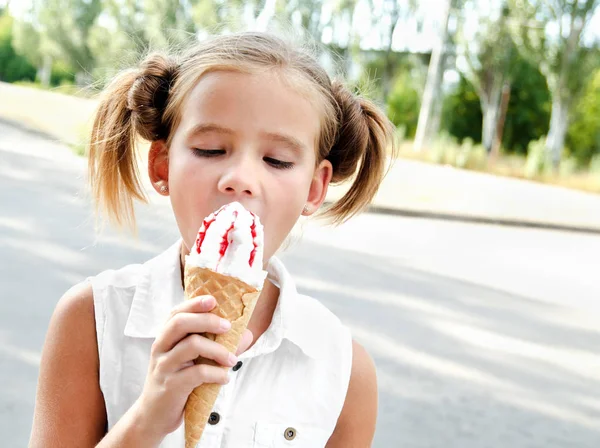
{"x": 292, "y": 383}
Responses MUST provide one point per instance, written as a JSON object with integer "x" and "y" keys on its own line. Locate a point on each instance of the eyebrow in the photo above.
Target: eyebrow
{"x": 288, "y": 140}
{"x": 203, "y": 128}
{"x": 292, "y": 142}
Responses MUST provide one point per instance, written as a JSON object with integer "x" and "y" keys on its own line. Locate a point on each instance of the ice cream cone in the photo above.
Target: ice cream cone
{"x": 235, "y": 301}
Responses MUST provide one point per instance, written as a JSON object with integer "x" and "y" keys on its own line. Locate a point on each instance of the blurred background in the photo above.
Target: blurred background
{"x": 472, "y": 279}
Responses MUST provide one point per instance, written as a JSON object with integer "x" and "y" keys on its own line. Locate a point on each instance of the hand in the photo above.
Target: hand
{"x": 172, "y": 374}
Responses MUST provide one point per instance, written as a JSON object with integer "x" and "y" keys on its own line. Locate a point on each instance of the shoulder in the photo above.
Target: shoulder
{"x": 73, "y": 315}
{"x": 314, "y": 308}
{"x": 76, "y": 303}
{"x": 356, "y": 424}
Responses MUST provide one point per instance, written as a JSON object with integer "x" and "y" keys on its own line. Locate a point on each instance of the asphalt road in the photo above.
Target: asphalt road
{"x": 483, "y": 336}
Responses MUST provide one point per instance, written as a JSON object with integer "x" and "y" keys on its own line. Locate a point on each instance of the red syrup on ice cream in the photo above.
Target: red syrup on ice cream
{"x": 253, "y": 230}
{"x": 202, "y": 234}
{"x": 205, "y": 225}
{"x": 225, "y": 242}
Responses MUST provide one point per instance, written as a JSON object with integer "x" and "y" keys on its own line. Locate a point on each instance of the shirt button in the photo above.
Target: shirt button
{"x": 238, "y": 366}
{"x": 214, "y": 418}
{"x": 290, "y": 434}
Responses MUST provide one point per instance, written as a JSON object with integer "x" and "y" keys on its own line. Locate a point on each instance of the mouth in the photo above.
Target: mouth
{"x": 251, "y": 208}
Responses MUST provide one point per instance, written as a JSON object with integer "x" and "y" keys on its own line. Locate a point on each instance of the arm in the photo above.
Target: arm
{"x": 69, "y": 408}
{"x": 356, "y": 425}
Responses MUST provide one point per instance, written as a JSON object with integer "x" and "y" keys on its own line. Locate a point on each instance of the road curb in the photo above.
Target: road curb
{"x": 375, "y": 209}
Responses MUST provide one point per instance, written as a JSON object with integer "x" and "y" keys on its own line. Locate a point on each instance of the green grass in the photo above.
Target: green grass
{"x": 65, "y": 89}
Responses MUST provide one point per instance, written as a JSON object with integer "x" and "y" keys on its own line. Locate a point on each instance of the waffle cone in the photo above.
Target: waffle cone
{"x": 235, "y": 302}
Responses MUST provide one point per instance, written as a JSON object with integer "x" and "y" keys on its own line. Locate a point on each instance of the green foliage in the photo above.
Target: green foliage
{"x": 595, "y": 165}
{"x": 166, "y": 23}
{"x": 61, "y": 74}
{"x": 13, "y": 67}
{"x": 568, "y": 166}
{"x": 490, "y": 56}
{"x": 583, "y": 137}
{"x": 471, "y": 155}
{"x": 403, "y": 105}
{"x": 461, "y": 112}
{"x": 444, "y": 149}
{"x": 529, "y": 106}
{"x": 563, "y": 60}
{"x": 376, "y": 64}
{"x": 27, "y": 41}
{"x": 60, "y": 29}
{"x": 527, "y": 115}
{"x": 538, "y": 160}
{"x": 465, "y": 155}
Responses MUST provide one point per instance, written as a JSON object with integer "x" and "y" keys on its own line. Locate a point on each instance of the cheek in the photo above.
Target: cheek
{"x": 185, "y": 177}
{"x": 292, "y": 188}
{"x": 287, "y": 196}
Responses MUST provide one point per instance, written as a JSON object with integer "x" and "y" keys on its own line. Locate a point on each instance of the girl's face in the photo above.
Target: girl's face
{"x": 247, "y": 138}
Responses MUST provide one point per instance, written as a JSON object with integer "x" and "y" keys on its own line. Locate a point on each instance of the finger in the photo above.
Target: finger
{"x": 245, "y": 342}
{"x": 182, "y": 324}
{"x": 198, "y": 374}
{"x": 199, "y": 304}
{"x": 195, "y": 345}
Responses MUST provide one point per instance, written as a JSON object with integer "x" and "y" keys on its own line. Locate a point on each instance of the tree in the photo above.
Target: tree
{"x": 306, "y": 14}
{"x": 431, "y": 104}
{"x": 462, "y": 111}
{"x": 67, "y": 24}
{"x": 488, "y": 66}
{"x": 528, "y": 109}
{"x": 583, "y": 137}
{"x": 392, "y": 11}
{"x": 403, "y": 104}
{"x": 13, "y": 67}
{"x": 167, "y": 22}
{"x": 210, "y": 16}
{"x": 131, "y": 28}
{"x": 60, "y": 29}
{"x": 527, "y": 113}
{"x": 28, "y": 43}
{"x": 550, "y": 33}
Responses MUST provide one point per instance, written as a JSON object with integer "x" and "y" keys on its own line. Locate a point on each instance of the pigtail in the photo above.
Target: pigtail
{"x": 365, "y": 137}
{"x": 131, "y": 105}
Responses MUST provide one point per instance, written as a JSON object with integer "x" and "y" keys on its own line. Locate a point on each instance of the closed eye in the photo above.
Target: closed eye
{"x": 279, "y": 164}
{"x": 208, "y": 152}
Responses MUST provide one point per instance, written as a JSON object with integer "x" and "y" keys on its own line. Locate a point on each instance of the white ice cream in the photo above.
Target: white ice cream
{"x": 230, "y": 241}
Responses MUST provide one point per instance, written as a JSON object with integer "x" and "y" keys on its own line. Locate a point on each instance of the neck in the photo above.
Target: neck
{"x": 265, "y": 307}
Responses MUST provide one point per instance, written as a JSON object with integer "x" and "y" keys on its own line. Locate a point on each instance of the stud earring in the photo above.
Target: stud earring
{"x": 305, "y": 209}
{"x": 164, "y": 189}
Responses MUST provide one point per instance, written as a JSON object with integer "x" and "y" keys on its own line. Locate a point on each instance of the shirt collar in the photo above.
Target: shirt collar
{"x": 159, "y": 290}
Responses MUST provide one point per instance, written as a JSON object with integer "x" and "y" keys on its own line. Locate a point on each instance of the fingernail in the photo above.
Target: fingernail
{"x": 225, "y": 324}
{"x": 232, "y": 359}
{"x": 207, "y": 300}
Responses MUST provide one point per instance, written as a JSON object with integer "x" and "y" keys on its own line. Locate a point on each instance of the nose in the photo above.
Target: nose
{"x": 239, "y": 178}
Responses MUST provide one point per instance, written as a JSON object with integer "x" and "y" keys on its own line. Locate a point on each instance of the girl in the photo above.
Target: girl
{"x": 243, "y": 118}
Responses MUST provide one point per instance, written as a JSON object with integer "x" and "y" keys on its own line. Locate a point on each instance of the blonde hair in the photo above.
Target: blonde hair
{"x": 146, "y": 102}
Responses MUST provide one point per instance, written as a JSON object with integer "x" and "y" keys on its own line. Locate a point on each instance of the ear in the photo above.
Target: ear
{"x": 158, "y": 165}
{"x": 318, "y": 187}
